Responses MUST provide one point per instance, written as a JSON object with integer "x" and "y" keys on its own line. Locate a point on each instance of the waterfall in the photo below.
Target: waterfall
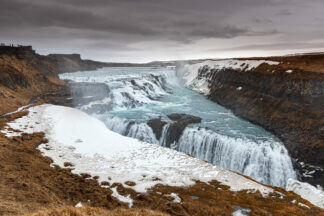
{"x": 137, "y": 95}
{"x": 165, "y": 129}
{"x": 140, "y": 131}
{"x": 267, "y": 162}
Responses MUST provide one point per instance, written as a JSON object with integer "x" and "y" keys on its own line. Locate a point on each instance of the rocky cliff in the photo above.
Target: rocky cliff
{"x": 20, "y": 82}
{"x": 285, "y": 95}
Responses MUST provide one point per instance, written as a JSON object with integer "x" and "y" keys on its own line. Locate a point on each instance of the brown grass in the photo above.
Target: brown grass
{"x": 91, "y": 211}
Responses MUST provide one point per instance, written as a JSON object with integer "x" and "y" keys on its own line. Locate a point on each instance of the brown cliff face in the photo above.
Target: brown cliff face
{"x": 20, "y": 82}
{"x": 291, "y": 105}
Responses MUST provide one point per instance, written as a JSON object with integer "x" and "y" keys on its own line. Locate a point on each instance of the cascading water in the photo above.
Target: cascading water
{"x": 264, "y": 161}
{"x": 139, "y": 131}
{"x": 137, "y": 95}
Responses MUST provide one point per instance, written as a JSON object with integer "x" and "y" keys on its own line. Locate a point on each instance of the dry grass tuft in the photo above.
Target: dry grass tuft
{"x": 91, "y": 211}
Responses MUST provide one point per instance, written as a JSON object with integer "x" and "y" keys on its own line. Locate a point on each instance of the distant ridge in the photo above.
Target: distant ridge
{"x": 53, "y": 64}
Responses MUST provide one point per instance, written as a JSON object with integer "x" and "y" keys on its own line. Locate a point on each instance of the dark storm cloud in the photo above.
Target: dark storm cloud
{"x": 146, "y": 18}
{"x": 18, "y": 14}
{"x": 119, "y": 24}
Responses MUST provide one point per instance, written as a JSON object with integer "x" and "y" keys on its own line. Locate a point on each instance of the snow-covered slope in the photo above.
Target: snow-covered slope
{"x": 307, "y": 191}
{"x": 85, "y": 142}
{"x": 191, "y": 71}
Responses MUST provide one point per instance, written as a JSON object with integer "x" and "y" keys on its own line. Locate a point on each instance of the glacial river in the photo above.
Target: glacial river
{"x": 137, "y": 95}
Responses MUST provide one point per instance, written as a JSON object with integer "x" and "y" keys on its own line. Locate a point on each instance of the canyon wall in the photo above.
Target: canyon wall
{"x": 285, "y": 96}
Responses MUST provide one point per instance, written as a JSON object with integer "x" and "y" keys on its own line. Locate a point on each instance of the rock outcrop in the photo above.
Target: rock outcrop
{"x": 21, "y": 52}
{"x": 180, "y": 122}
{"x": 157, "y": 126}
{"x": 175, "y": 129}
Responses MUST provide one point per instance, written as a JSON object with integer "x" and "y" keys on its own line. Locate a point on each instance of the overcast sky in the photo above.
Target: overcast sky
{"x": 147, "y": 30}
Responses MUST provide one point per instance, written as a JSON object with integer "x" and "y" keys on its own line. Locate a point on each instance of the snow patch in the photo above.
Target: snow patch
{"x": 303, "y": 205}
{"x": 306, "y": 191}
{"x": 118, "y": 159}
{"x": 125, "y": 199}
{"x": 18, "y": 110}
{"x": 176, "y": 198}
{"x": 289, "y": 71}
{"x": 79, "y": 205}
{"x": 241, "y": 212}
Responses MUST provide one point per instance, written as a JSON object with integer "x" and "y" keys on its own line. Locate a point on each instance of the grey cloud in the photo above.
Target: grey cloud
{"x": 262, "y": 21}
{"x": 178, "y": 27}
{"x": 119, "y": 24}
{"x": 274, "y": 46}
{"x": 221, "y": 32}
{"x": 284, "y": 12}
{"x": 103, "y": 45}
{"x": 68, "y": 17}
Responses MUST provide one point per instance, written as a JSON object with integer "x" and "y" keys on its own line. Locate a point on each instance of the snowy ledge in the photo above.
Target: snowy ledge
{"x": 200, "y": 85}
{"x": 90, "y": 147}
{"x": 307, "y": 191}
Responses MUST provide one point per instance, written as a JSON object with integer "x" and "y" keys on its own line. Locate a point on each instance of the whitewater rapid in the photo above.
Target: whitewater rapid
{"x": 137, "y": 95}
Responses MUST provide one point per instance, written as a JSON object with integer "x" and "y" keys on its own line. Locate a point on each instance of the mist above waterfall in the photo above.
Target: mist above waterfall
{"x": 180, "y": 70}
